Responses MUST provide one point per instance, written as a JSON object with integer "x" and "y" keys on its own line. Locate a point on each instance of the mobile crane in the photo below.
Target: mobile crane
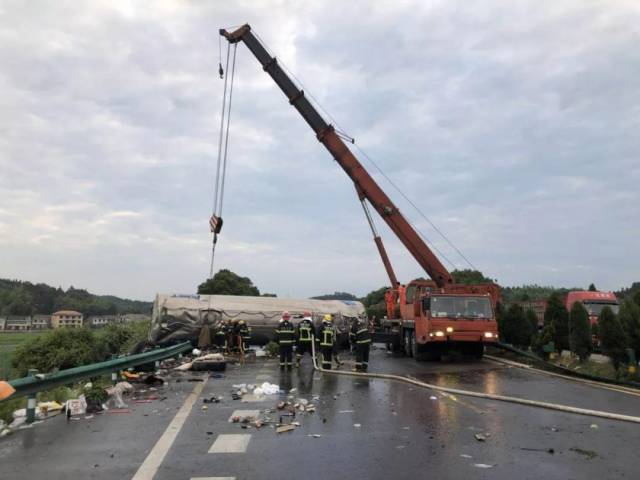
{"x": 435, "y": 315}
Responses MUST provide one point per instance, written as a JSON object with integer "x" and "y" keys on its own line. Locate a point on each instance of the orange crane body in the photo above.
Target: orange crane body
{"x": 434, "y": 313}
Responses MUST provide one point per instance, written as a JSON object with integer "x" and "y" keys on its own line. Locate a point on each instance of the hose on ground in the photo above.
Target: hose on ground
{"x": 487, "y": 396}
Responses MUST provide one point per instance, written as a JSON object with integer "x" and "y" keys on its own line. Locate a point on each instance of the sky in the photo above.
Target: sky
{"x": 513, "y": 126}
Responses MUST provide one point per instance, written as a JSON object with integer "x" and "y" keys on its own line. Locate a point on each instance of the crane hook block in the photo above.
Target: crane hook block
{"x": 215, "y": 223}
{"x": 220, "y": 70}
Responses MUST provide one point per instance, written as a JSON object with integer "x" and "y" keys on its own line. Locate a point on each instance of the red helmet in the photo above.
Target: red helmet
{"x": 306, "y": 313}
{"x": 286, "y": 315}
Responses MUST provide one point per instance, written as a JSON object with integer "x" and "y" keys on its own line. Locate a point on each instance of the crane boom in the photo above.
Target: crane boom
{"x": 326, "y": 134}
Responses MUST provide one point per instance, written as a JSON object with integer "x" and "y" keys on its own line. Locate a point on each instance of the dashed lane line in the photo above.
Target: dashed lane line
{"x": 150, "y": 466}
{"x": 244, "y": 413}
{"x": 230, "y": 443}
{"x": 213, "y": 478}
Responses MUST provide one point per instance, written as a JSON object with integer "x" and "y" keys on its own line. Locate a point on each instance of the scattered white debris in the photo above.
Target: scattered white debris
{"x": 357, "y": 425}
{"x": 594, "y": 426}
{"x": 464, "y": 455}
{"x": 314, "y": 435}
{"x": 346, "y": 411}
{"x": 433, "y": 397}
{"x": 483, "y": 465}
{"x": 196, "y": 352}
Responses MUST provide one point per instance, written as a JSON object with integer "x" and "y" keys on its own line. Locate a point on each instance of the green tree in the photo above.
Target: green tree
{"x": 532, "y": 320}
{"x": 517, "y": 330}
{"x": 556, "y": 314}
{"x": 375, "y": 297}
{"x": 592, "y": 288}
{"x": 630, "y": 319}
{"x": 469, "y": 277}
{"x": 580, "y": 332}
{"x": 225, "y": 282}
{"x": 613, "y": 339}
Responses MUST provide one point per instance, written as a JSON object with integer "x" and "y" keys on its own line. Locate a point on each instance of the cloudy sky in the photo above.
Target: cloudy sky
{"x": 514, "y": 126}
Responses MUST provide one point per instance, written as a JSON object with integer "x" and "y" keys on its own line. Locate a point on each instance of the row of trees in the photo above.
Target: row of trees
{"x": 571, "y": 330}
{"x": 26, "y": 298}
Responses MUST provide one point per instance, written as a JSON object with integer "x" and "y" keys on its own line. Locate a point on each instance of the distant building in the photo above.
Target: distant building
{"x": 133, "y": 317}
{"x": 41, "y": 322}
{"x": 99, "y": 321}
{"x": 538, "y": 306}
{"x": 66, "y": 318}
{"x": 16, "y": 323}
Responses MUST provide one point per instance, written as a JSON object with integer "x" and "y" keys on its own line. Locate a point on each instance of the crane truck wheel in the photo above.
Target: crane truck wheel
{"x": 409, "y": 342}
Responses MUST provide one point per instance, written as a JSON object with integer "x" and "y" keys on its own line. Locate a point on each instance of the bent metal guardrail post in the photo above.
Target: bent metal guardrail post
{"x": 30, "y": 385}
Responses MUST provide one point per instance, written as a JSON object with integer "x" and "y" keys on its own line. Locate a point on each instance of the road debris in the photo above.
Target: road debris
{"x": 285, "y": 428}
{"x": 590, "y": 454}
{"x": 357, "y": 425}
{"x": 483, "y": 465}
{"x": 546, "y": 450}
{"x": 464, "y": 455}
{"x": 482, "y": 437}
{"x": 314, "y": 435}
{"x": 593, "y": 426}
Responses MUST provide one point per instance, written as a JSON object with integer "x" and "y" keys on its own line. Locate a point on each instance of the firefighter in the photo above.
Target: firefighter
{"x": 352, "y": 335}
{"x": 327, "y": 338}
{"x": 363, "y": 342}
{"x": 244, "y": 332}
{"x": 285, "y": 336}
{"x": 228, "y": 332}
{"x": 220, "y": 336}
{"x": 304, "y": 337}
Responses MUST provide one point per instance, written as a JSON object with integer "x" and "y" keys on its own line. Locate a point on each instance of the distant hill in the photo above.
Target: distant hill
{"x": 26, "y": 298}
{"x": 336, "y": 296}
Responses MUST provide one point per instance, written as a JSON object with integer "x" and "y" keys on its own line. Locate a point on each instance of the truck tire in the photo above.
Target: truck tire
{"x": 409, "y": 343}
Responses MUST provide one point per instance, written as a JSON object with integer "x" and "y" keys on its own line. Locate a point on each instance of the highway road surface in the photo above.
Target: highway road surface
{"x": 361, "y": 429}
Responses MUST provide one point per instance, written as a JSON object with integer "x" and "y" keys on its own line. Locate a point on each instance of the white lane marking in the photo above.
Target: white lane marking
{"x": 230, "y": 443}
{"x": 245, "y": 413}
{"x": 150, "y": 466}
{"x": 213, "y": 478}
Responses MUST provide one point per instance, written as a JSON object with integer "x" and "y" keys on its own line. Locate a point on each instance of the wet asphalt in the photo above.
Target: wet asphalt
{"x": 404, "y": 431}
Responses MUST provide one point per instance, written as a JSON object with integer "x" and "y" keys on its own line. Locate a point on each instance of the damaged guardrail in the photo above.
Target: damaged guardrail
{"x": 36, "y": 382}
{"x": 564, "y": 370}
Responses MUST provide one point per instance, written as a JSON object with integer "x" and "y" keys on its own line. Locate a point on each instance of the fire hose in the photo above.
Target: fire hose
{"x": 469, "y": 393}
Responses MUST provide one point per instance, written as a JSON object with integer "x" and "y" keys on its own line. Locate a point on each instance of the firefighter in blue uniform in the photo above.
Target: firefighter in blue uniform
{"x": 285, "y": 337}
{"x": 304, "y": 337}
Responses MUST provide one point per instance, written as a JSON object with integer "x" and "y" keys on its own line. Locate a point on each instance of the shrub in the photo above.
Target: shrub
{"x": 580, "y": 332}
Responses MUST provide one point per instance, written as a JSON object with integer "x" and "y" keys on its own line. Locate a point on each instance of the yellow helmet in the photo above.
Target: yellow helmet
{"x": 328, "y": 318}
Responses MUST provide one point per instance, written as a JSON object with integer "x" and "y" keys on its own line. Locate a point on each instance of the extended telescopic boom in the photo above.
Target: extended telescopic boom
{"x": 364, "y": 183}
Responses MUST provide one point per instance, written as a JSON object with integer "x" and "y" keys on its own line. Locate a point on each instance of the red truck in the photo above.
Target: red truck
{"x": 594, "y": 302}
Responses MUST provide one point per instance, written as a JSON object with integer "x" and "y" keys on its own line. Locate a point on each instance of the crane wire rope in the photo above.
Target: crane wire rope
{"x": 223, "y": 147}
{"x": 342, "y": 133}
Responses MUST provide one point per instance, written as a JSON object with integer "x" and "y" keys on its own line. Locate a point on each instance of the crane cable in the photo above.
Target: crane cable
{"x": 223, "y": 149}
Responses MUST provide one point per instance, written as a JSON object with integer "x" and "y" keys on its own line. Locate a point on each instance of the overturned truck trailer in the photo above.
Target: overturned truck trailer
{"x": 180, "y": 317}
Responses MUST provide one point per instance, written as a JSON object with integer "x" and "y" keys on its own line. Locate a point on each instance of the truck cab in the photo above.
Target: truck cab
{"x": 593, "y": 302}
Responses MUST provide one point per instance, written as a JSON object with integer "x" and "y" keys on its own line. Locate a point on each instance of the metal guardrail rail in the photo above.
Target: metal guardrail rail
{"x": 565, "y": 370}
{"x": 34, "y": 383}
